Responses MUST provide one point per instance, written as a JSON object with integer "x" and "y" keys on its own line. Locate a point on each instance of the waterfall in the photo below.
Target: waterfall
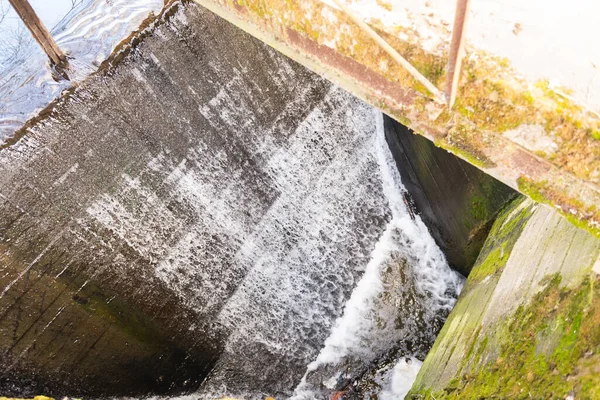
{"x": 367, "y": 329}
{"x": 248, "y": 211}
{"x": 279, "y": 222}
{"x": 336, "y": 278}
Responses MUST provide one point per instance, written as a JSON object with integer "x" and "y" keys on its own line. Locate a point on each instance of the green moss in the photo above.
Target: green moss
{"x": 433, "y": 68}
{"x": 528, "y": 98}
{"x": 501, "y": 239}
{"x": 403, "y": 120}
{"x": 586, "y": 217}
{"x": 493, "y": 263}
{"x": 482, "y": 162}
{"x": 594, "y": 133}
{"x": 568, "y": 365}
{"x": 479, "y": 207}
{"x": 490, "y": 103}
{"x": 119, "y": 314}
{"x": 488, "y": 199}
{"x": 530, "y": 189}
{"x": 496, "y": 105}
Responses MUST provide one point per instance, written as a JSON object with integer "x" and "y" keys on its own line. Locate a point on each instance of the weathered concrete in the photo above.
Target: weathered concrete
{"x": 201, "y": 201}
{"x": 200, "y": 207}
{"x": 527, "y": 319}
{"x": 494, "y": 111}
{"x": 457, "y": 201}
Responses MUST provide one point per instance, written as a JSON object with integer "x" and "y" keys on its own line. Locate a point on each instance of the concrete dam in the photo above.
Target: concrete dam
{"x": 204, "y": 217}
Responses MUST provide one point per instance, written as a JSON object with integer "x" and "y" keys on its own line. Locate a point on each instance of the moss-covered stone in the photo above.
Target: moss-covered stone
{"x": 574, "y": 211}
{"x": 501, "y": 239}
{"x": 526, "y": 323}
{"x": 550, "y": 348}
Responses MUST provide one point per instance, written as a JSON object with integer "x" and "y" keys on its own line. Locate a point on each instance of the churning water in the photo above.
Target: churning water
{"x": 340, "y": 282}
{"x": 399, "y": 314}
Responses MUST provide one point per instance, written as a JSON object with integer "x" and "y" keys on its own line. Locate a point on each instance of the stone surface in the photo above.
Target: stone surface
{"x": 526, "y": 321}
{"x": 457, "y": 201}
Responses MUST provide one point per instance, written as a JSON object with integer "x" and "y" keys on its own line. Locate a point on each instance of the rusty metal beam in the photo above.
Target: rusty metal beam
{"x": 456, "y": 50}
{"x": 39, "y": 31}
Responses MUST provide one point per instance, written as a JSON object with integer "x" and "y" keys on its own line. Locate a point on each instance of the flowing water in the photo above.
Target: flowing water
{"x": 306, "y": 263}
{"x": 87, "y": 35}
{"x": 393, "y": 312}
{"x": 263, "y": 200}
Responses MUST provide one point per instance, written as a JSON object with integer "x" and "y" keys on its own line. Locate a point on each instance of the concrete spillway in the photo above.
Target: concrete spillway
{"x": 201, "y": 214}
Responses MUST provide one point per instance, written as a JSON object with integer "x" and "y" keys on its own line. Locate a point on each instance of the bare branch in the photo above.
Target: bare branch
{"x": 4, "y": 9}
{"x": 14, "y": 42}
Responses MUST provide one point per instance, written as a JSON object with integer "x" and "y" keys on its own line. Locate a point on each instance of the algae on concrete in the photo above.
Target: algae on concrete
{"x": 527, "y": 322}
{"x": 500, "y": 241}
{"x": 457, "y": 202}
{"x": 574, "y": 211}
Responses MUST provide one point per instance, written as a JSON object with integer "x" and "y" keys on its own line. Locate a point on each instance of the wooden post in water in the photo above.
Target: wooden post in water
{"x": 39, "y": 31}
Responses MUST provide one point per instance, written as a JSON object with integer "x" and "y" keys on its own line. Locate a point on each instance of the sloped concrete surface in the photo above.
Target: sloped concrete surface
{"x": 533, "y": 264}
{"x": 458, "y": 202}
{"x": 140, "y": 237}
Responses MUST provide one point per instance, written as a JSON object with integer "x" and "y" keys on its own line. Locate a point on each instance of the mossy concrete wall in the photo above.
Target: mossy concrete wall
{"x": 526, "y": 323}
{"x": 457, "y": 201}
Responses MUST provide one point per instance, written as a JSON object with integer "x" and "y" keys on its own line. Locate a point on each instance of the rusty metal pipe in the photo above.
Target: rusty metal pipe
{"x": 456, "y": 50}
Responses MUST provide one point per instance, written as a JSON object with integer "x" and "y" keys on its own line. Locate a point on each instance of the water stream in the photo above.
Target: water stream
{"x": 259, "y": 198}
{"x": 399, "y": 314}
{"x": 344, "y": 290}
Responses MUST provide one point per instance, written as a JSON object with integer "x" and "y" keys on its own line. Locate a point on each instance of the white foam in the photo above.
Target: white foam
{"x": 357, "y": 332}
{"x": 435, "y": 276}
{"x": 348, "y": 333}
{"x": 396, "y": 382}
